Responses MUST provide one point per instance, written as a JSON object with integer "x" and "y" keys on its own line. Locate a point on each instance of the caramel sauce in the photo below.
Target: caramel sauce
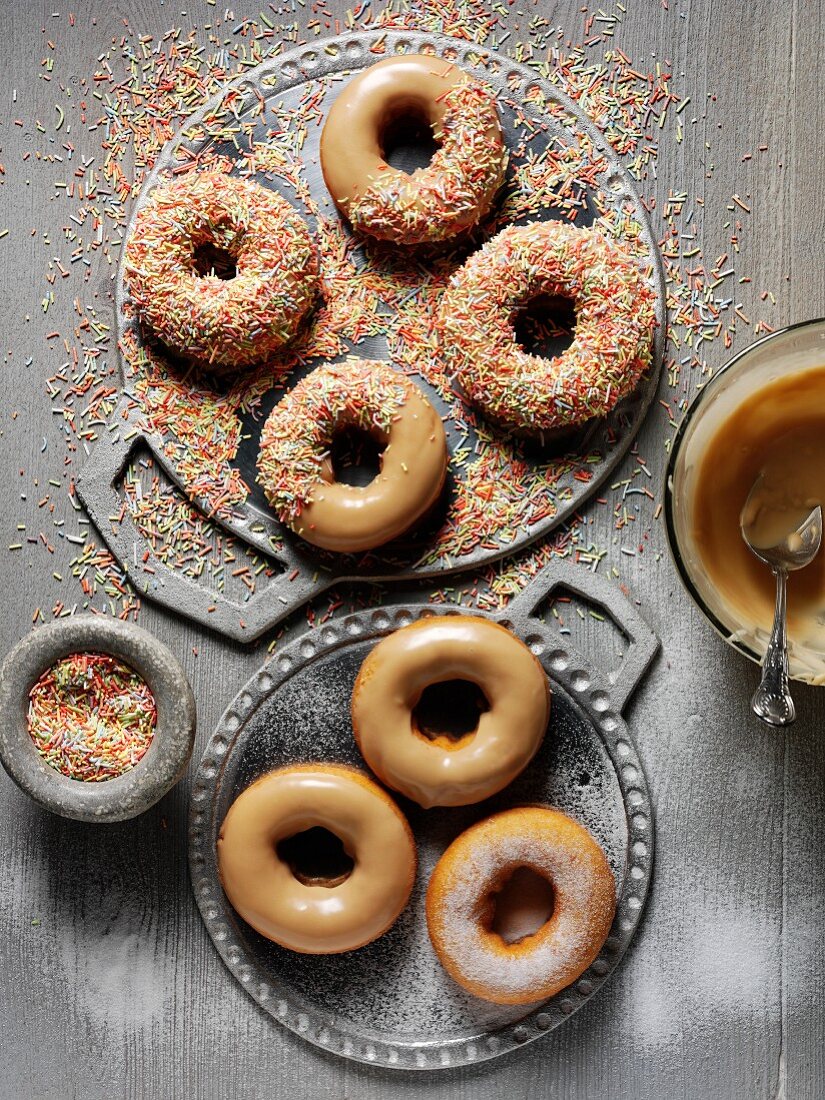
{"x": 777, "y": 434}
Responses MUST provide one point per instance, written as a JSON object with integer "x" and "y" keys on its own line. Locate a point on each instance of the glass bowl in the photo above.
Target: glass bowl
{"x": 797, "y": 348}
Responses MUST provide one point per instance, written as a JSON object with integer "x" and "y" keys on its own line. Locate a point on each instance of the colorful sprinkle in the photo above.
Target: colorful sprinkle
{"x": 615, "y": 317}
{"x": 237, "y": 229}
{"x": 91, "y": 717}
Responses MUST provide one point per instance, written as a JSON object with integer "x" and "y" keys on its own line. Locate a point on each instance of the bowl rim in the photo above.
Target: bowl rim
{"x": 134, "y": 791}
{"x": 678, "y": 439}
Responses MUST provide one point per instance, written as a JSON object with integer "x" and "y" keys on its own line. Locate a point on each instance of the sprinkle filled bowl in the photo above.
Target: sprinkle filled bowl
{"x": 744, "y": 407}
{"x": 97, "y": 718}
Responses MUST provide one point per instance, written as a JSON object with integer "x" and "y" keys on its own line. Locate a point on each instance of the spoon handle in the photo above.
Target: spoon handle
{"x": 772, "y": 700}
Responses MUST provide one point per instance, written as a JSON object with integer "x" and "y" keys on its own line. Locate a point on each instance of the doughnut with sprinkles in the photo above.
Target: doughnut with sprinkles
{"x": 526, "y": 394}
{"x": 456, "y": 189}
{"x": 295, "y": 465}
{"x": 222, "y": 323}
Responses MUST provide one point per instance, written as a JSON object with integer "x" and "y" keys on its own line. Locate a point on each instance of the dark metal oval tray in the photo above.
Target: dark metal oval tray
{"x": 245, "y": 126}
{"x": 390, "y": 1003}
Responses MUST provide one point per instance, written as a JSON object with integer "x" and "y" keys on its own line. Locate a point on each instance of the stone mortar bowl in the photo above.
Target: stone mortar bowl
{"x": 165, "y": 760}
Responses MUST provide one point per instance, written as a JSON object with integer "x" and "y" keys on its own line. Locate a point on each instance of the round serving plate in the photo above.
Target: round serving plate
{"x": 378, "y": 303}
{"x": 390, "y": 1003}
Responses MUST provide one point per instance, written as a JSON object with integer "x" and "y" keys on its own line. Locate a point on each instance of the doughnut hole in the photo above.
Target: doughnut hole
{"x": 522, "y": 905}
{"x": 209, "y": 258}
{"x": 407, "y": 141}
{"x": 316, "y": 857}
{"x": 545, "y": 325}
{"x": 355, "y": 456}
{"x": 448, "y": 713}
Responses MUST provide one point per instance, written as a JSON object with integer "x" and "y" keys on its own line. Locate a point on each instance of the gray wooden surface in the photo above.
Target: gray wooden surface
{"x": 109, "y": 986}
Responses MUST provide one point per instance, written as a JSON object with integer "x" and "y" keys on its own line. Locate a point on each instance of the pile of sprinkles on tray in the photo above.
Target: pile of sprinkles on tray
{"x": 106, "y": 132}
{"x": 180, "y": 538}
{"x": 502, "y": 488}
{"x": 91, "y": 717}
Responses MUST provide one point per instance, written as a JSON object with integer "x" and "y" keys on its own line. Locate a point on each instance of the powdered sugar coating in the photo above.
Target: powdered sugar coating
{"x": 615, "y": 319}
{"x": 460, "y": 903}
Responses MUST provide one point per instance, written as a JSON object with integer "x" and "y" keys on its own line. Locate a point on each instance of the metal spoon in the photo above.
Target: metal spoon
{"x": 772, "y": 700}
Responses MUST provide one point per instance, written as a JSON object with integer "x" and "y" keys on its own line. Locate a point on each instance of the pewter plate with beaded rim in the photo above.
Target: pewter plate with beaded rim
{"x": 227, "y": 126}
{"x": 390, "y": 1003}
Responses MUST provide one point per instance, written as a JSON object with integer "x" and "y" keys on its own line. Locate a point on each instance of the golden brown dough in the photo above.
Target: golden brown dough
{"x": 475, "y": 867}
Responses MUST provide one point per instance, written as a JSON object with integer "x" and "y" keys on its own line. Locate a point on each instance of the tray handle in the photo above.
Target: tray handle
{"x": 643, "y": 644}
{"x": 97, "y": 488}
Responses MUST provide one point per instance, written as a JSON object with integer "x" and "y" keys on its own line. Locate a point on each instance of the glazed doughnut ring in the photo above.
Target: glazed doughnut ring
{"x": 435, "y": 770}
{"x": 454, "y": 191}
{"x": 221, "y": 323}
{"x": 312, "y": 915}
{"x": 615, "y": 318}
{"x": 461, "y": 905}
{"x": 294, "y": 460}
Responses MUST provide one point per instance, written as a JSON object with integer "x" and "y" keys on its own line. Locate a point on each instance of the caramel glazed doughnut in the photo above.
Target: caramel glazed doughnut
{"x": 294, "y": 460}
{"x": 222, "y": 323}
{"x": 314, "y": 918}
{"x": 455, "y": 191}
{"x": 462, "y": 897}
{"x": 439, "y": 771}
{"x": 615, "y": 317}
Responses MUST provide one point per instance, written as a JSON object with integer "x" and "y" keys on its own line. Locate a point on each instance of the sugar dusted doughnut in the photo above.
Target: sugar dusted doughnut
{"x": 221, "y": 323}
{"x": 615, "y": 317}
{"x": 439, "y": 771}
{"x": 294, "y": 459}
{"x": 317, "y": 917}
{"x": 454, "y": 191}
{"x": 478, "y": 864}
